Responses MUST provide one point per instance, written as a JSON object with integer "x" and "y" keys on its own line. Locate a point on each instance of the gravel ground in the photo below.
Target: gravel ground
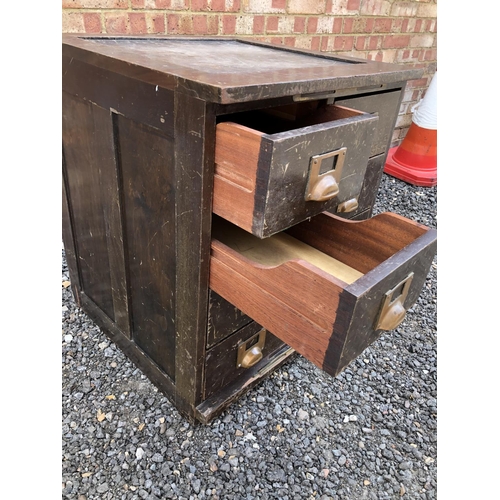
{"x": 369, "y": 433}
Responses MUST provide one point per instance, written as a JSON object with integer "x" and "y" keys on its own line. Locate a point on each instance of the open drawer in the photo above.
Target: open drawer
{"x": 327, "y": 287}
{"x": 277, "y": 167}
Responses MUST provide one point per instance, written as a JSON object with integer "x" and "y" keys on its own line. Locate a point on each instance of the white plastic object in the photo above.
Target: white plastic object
{"x": 425, "y": 111}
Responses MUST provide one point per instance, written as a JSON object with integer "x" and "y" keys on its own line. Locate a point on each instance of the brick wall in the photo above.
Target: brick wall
{"x": 399, "y": 31}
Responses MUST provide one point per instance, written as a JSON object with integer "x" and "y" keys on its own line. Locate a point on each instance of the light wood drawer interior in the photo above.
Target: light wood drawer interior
{"x": 327, "y": 287}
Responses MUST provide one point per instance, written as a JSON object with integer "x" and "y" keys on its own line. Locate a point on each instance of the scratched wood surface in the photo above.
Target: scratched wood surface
{"x": 225, "y": 71}
{"x": 88, "y": 147}
{"x": 262, "y": 175}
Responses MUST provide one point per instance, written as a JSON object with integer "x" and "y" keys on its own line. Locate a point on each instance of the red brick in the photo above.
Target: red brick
{"x": 343, "y": 43}
{"x": 396, "y": 25}
{"x": 360, "y": 42}
{"x": 382, "y": 25}
{"x": 217, "y": 5}
{"x": 156, "y": 23}
{"x": 178, "y": 24}
{"x": 289, "y": 41}
{"x": 272, "y": 23}
{"x": 417, "y": 83}
{"x": 137, "y": 4}
{"x": 324, "y": 43}
{"x": 200, "y": 25}
{"x": 348, "y": 25}
{"x": 312, "y": 25}
{"x": 430, "y": 26}
{"x": 374, "y": 42}
{"x": 370, "y": 23}
{"x": 278, "y": 4}
{"x": 205, "y": 25}
{"x": 277, "y": 40}
{"x": 92, "y": 23}
{"x": 259, "y": 25}
{"x": 198, "y": 5}
{"x": 228, "y": 25}
{"x": 357, "y": 25}
{"x": 299, "y": 25}
{"x": 395, "y": 41}
{"x": 337, "y": 25}
{"x": 353, "y": 4}
{"x": 116, "y": 23}
{"x": 430, "y": 55}
{"x": 137, "y": 23}
{"x": 315, "y": 41}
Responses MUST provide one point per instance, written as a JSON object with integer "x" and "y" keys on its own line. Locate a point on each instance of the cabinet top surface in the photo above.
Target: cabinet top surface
{"x": 226, "y": 67}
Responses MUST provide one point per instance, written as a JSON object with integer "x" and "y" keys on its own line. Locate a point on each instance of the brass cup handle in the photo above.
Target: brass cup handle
{"x": 325, "y": 186}
{"x": 393, "y": 316}
{"x": 392, "y": 311}
{"x": 251, "y": 357}
{"x": 250, "y": 350}
{"x": 325, "y": 189}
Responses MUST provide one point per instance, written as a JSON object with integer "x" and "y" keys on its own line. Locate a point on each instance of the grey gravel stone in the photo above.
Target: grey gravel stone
{"x": 145, "y": 449}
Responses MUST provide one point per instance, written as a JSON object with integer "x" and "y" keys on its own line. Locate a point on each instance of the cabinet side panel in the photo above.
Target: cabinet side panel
{"x": 146, "y": 159}
{"x": 88, "y": 148}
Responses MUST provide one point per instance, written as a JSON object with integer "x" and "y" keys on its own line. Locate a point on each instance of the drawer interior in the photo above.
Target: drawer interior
{"x": 327, "y": 287}
{"x": 344, "y": 251}
{"x": 291, "y": 116}
{"x": 280, "y": 248}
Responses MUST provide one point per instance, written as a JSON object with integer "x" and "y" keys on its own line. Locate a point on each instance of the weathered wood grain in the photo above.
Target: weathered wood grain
{"x": 88, "y": 148}
{"x": 147, "y": 166}
{"x": 223, "y": 319}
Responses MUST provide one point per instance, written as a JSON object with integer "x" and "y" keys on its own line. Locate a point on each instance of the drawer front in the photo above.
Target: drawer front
{"x": 223, "y": 319}
{"x": 386, "y": 106}
{"x": 265, "y": 183}
{"x": 328, "y": 287}
{"x": 370, "y": 188}
{"x": 243, "y": 353}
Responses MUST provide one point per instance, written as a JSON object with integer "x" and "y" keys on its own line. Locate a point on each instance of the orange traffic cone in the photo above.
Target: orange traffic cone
{"x": 415, "y": 159}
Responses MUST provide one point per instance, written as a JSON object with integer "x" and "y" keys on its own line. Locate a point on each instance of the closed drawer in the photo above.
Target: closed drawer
{"x": 328, "y": 287}
{"x": 223, "y": 319}
{"x": 242, "y": 354}
{"x": 278, "y": 167}
{"x": 369, "y": 190}
{"x": 383, "y": 104}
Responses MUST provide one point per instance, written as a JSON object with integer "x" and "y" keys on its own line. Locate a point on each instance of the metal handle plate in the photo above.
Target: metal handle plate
{"x": 250, "y": 351}
{"x": 392, "y": 311}
{"x": 325, "y": 186}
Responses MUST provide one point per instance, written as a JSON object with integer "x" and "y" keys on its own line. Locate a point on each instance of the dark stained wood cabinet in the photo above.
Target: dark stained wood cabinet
{"x": 217, "y": 201}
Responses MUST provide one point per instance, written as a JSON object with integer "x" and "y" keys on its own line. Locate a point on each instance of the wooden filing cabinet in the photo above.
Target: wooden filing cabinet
{"x": 217, "y": 200}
